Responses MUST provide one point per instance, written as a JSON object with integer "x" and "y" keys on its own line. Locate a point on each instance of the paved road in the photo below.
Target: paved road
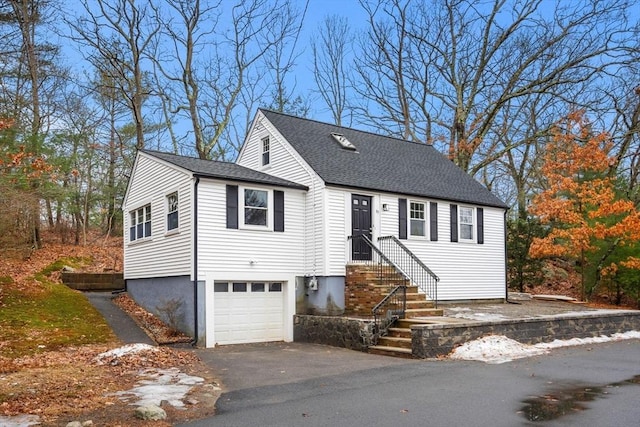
{"x": 363, "y": 392}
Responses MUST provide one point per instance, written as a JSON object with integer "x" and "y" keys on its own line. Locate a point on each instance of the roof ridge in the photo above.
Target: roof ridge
{"x": 150, "y": 151}
{"x": 395, "y": 138}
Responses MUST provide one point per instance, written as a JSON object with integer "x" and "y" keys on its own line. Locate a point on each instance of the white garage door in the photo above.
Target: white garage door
{"x": 246, "y": 312}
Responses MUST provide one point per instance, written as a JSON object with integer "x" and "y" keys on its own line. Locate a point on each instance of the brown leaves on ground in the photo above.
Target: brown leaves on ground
{"x": 71, "y": 384}
{"x": 103, "y": 253}
{"x": 159, "y": 331}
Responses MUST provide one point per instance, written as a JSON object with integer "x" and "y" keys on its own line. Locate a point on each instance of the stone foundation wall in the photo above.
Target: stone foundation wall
{"x": 335, "y": 331}
{"x": 436, "y": 340}
{"x": 94, "y": 281}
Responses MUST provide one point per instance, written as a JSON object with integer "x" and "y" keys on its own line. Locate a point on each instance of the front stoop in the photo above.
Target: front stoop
{"x": 398, "y": 341}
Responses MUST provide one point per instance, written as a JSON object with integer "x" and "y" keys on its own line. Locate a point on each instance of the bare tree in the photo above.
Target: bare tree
{"x": 330, "y": 51}
{"x": 447, "y": 71}
{"x": 119, "y": 33}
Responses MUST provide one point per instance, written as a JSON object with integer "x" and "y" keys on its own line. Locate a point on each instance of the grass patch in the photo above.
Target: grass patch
{"x": 53, "y": 318}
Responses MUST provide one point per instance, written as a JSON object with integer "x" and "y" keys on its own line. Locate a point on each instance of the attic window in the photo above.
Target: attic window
{"x": 343, "y": 141}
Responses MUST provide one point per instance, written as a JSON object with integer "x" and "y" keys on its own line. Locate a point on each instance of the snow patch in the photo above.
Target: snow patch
{"x": 157, "y": 385}
{"x": 500, "y": 349}
{"x": 124, "y": 350}
{"x": 487, "y": 317}
{"x": 19, "y": 421}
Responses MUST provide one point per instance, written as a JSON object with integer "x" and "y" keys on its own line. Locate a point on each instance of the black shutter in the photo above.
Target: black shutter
{"x": 433, "y": 221}
{"x": 232, "y": 206}
{"x": 278, "y": 210}
{"x": 402, "y": 218}
{"x": 480, "y": 225}
{"x": 454, "y": 223}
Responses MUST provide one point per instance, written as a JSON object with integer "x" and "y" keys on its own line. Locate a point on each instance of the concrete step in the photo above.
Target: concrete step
{"x": 391, "y": 351}
{"x": 399, "y": 332}
{"x": 411, "y": 304}
{"x": 398, "y": 342}
{"x": 408, "y": 322}
{"x": 422, "y": 312}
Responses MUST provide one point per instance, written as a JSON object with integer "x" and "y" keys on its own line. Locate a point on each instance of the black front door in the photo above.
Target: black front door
{"x": 360, "y": 225}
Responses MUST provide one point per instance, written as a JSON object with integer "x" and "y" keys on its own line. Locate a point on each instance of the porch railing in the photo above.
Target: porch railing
{"x": 411, "y": 266}
{"x": 393, "y": 306}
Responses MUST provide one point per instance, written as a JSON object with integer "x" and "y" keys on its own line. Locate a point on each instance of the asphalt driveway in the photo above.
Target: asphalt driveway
{"x": 258, "y": 365}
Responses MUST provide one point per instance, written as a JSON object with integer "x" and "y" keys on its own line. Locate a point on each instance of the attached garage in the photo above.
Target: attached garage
{"x": 248, "y": 312}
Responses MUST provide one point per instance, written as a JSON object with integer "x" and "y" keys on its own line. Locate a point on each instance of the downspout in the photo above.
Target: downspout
{"x": 194, "y": 342}
{"x": 506, "y": 261}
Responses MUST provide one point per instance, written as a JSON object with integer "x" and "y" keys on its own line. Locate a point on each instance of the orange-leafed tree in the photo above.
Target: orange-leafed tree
{"x": 586, "y": 217}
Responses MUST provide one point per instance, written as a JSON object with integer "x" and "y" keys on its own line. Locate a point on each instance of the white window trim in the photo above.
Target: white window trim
{"x": 136, "y": 208}
{"x": 166, "y": 213}
{"x": 473, "y": 224}
{"x": 242, "y": 206}
{"x": 425, "y": 220}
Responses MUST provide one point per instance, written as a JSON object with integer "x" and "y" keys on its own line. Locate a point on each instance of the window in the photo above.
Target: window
{"x": 466, "y": 223}
{"x": 140, "y": 226}
{"x": 172, "y": 211}
{"x": 255, "y": 207}
{"x": 417, "y": 218}
{"x": 239, "y": 287}
{"x": 220, "y": 287}
{"x": 275, "y": 287}
{"x": 265, "y": 151}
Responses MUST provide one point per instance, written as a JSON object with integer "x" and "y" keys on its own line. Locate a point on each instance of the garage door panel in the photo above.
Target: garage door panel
{"x": 244, "y": 317}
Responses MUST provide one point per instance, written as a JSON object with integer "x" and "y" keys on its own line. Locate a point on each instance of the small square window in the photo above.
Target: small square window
{"x": 257, "y": 287}
{"x": 275, "y": 287}
{"x": 220, "y": 287}
{"x": 239, "y": 287}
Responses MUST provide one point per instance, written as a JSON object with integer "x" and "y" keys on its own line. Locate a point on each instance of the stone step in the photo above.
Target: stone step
{"x": 399, "y": 332}
{"x": 422, "y": 312}
{"x": 408, "y": 322}
{"x": 411, "y": 304}
{"x": 391, "y": 351}
{"x": 399, "y": 342}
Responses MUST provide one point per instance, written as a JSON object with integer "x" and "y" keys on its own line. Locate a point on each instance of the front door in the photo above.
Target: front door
{"x": 360, "y": 225}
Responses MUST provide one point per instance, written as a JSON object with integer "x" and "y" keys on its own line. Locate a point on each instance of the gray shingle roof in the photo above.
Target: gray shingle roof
{"x": 380, "y": 163}
{"x": 222, "y": 170}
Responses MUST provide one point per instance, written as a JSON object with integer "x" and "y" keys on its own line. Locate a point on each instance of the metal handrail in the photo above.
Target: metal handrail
{"x": 396, "y": 298}
{"x": 382, "y": 324}
{"x": 415, "y": 270}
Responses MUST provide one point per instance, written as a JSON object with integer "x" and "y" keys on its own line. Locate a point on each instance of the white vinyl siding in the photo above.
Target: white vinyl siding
{"x": 229, "y": 253}
{"x": 286, "y": 163}
{"x": 159, "y": 255}
{"x": 466, "y": 271}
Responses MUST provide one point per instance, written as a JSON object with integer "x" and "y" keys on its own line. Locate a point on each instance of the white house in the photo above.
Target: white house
{"x": 232, "y": 246}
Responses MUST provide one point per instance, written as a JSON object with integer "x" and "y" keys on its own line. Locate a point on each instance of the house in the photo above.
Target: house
{"x": 233, "y": 248}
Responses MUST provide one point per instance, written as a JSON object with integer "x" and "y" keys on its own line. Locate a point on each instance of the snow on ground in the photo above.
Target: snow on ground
{"x": 157, "y": 385}
{"x": 124, "y": 350}
{"x": 500, "y": 349}
{"x": 19, "y": 421}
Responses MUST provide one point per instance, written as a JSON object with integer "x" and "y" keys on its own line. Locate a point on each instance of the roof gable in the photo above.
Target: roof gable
{"x": 379, "y": 163}
{"x": 222, "y": 170}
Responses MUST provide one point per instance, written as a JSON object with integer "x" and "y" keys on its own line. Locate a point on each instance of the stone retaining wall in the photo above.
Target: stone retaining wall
{"x": 439, "y": 339}
{"x": 94, "y": 281}
{"x": 336, "y": 331}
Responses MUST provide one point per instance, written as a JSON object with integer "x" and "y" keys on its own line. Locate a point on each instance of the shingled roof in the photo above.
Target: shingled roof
{"x": 222, "y": 170}
{"x": 380, "y": 163}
